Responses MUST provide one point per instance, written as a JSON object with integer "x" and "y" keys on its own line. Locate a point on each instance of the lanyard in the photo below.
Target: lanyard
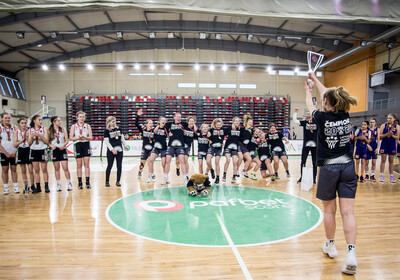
{"x": 8, "y": 133}
{"x": 58, "y": 136}
{"x": 23, "y": 136}
{"x": 116, "y": 133}
{"x": 80, "y": 128}
{"x": 37, "y": 137}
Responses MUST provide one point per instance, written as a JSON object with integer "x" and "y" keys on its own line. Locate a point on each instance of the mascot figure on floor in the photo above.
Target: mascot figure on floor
{"x": 199, "y": 184}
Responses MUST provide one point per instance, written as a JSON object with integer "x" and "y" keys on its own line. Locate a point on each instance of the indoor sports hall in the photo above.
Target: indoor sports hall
{"x": 200, "y": 139}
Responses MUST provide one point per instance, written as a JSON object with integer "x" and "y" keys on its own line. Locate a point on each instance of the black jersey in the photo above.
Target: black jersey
{"x": 203, "y": 142}
{"x": 232, "y": 142}
{"x": 114, "y": 135}
{"x": 309, "y": 134}
{"x": 245, "y": 135}
{"x": 275, "y": 140}
{"x": 263, "y": 150}
{"x": 333, "y": 146}
{"x": 252, "y": 146}
{"x": 178, "y": 133}
{"x": 189, "y": 135}
{"x": 160, "y": 138}
{"x": 147, "y": 135}
{"x": 217, "y": 137}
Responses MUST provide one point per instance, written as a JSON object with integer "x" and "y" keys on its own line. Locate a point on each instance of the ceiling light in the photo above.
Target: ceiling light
{"x": 152, "y": 67}
{"x": 120, "y": 66}
{"x": 279, "y": 38}
{"x": 119, "y": 35}
{"x": 45, "y": 67}
{"x": 364, "y": 43}
{"x": 218, "y": 36}
{"x": 308, "y": 40}
{"x": 241, "y": 68}
{"x": 212, "y": 67}
{"x": 170, "y": 35}
{"x": 336, "y": 42}
{"x": 250, "y": 37}
{"x": 89, "y": 66}
{"x": 53, "y": 34}
{"x": 86, "y": 35}
{"x": 61, "y": 67}
{"x": 137, "y": 66}
{"x": 269, "y": 68}
{"x": 293, "y": 37}
{"x": 152, "y": 35}
{"x": 224, "y": 67}
{"x": 39, "y": 45}
{"x": 196, "y": 67}
{"x": 390, "y": 45}
{"x": 20, "y": 34}
{"x": 203, "y": 36}
{"x": 296, "y": 70}
{"x": 166, "y": 66}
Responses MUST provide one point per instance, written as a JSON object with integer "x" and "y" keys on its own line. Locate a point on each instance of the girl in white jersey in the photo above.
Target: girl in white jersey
{"x": 81, "y": 134}
{"x": 23, "y": 150}
{"x": 8, "y": 152}
{"x": 58, "y": 138}
{"x": 38, "y": 140}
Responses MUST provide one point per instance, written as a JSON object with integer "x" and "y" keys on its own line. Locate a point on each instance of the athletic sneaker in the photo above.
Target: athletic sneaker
{"x": 398, "y": 179}
{"x": 16, "y": 189}
{"x": 381, "y": 179}
{"x": 253, "y": 176}
{"x": 59, "y": 188}
{"x": 6, "y": 190}
{"x": 373, "y": 178}
{"x": 46, "y": 189}
{"x": 153, "y": 178}
{"x": 118, "y": 184}
{"x": 139, "y": 175}
{"x": 148, "y": 179}
{"x": 26, "y": 190}
{"x": 69, "y": 188}
{"x": 391, "y": 179}
{"x": 88, "y": 185}
{"x": 330, "y": 249}
{"x": 361, "y": 179}
{"x": 216, "y": 182}
{"x": 212, "y": 173}
{"x": 234, "y": 180}
{"x": 351, "y": 262}
{"x": 276, "y": 176}
{"x": 273, "y": 177}
{"x": 244, "y": 173}
{"x": 366, "y": 178}
{"x": 165, "y": 181}
{"x": 358, "y": 178}
{"x": 185, "y": 180}
{"x": 223, "y": 179}
{"x": 178, "y": 172}
{"x": 287, "y": 174}
{"x": 107, "y": 184}
{"x": 299, "y": 181}
{"x": 80, "y": 186}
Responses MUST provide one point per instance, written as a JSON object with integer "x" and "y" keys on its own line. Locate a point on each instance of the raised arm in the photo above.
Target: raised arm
{"x": 309, "y": 102}
{"x": 321, "y": 88}
{"x": 295, "y": 120}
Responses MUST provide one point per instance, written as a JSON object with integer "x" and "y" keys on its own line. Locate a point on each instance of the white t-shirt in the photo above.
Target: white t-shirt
{"x": 7, "y": 138}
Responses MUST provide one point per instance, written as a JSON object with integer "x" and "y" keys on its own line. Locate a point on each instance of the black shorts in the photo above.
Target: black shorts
{"x": 156, "y": 151}
{"x": 278, "y": 154}
{"x": 214, "y": 151}
{"x": 175, "y": 151}
{"x": 187, "y": 151}
{"x": 145, "y": 154}
{"x": 202, "y": 155}
{"x": 5, "y": 161}
{"x": 59, "y": 155}
{"x": 37, "y": 155}
{"x": 23, "y": 155}
{"x": 340, "y": 178}
{"x": 230, "y": 152}
{"x": 82, "y": 149}
{"x": 242, "y": 148}
{"x": 263, "y": 166}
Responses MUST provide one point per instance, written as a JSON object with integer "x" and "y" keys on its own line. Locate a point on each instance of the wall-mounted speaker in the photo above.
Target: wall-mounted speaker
{"x": 4, "y": 102}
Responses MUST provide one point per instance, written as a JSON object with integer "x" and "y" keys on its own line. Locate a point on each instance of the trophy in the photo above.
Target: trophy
{"x": 314, "y": 60}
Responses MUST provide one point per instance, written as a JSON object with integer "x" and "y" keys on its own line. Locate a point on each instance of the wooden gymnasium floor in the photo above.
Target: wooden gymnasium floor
{"x": 66, "y": 235}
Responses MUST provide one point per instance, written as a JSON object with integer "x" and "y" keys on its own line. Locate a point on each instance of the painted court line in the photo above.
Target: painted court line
{"x": 234, "y": 249}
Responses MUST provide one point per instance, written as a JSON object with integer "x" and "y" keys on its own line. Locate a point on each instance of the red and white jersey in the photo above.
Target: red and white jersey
{"x": 37, "y": 143}
{"x": 81, "y": 130}
{"x": 59, "y": 138}
{"x": 7, "y": 138}
{"x": 23, "y": 135}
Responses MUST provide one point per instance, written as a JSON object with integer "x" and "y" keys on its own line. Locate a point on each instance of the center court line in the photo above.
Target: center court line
{"x": 234, "y": 249}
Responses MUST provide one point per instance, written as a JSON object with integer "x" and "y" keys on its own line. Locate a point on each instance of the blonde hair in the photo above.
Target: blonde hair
{"x": 215, "y": 121}
{"x": 108, "y": 120}
{"x": 246, "y": 118}
{"x": 191, "y": 117}
{"x": 339, "y": 98}
{"x": 80, "y": 113}
{"x": 204, "y": 125}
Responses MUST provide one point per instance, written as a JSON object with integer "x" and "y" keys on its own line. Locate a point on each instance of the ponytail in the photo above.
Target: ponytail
{"x": 32, "y": 124}
{"x": 340, "y": 99}
{"x": 246, "y": 118}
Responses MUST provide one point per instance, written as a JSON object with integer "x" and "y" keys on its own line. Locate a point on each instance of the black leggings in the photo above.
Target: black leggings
{"x": 110, "y": 162}
{"x": 304, "y": 155}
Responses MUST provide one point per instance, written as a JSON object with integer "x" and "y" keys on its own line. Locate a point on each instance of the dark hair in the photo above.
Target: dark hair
{"x": 394, "y": 115}
{"x": 340, "y": 99}
{"x": 51, "y": 128}
{"x": 272, "y": 125}
{"x": 21, "y": 119}
{"x": 32, "y": 124}
{"x": 367, "y": 122}
{"x": 3, "y": 114}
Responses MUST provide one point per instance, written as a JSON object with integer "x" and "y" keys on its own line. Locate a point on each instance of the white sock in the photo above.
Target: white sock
{"x": 381, "y": 174}
{"x": 372, "y": 173}
{"x": 391, "y": 174}
{"x": 166, "y": 175}
{"x": 69, "y": 181}
{"x": 6, "y": 186}
{"x": 15, "y": 185}
{"x": 58, "y": 182}
{"x": 366, "y": 173}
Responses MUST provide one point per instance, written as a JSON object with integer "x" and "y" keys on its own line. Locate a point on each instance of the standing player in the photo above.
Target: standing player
{"x": 265, "y": 157}
{"x": 372, "y": 150}
{"x": 363, "y": 137}
{"x": 231, "y": 147}
{"x": 38, "y": 140}
{"x": 160, "y": 148}
{"x": 389, "y": 134}
{"x": 252, "y": 147}
{"x": 278, "y": 149}
{"x": 81, "y": 134}
{"x": 148, "y": 140}
{"x": 8, "y": 152}
{"x": 336, "y": 166}
{"x": 22, "y": 145}
{"x": 189, "y": 133}
{"x": 309, "y": 143}
{"x": 246, "y": 133}
{"x": 203, "y": 143}
{"x": 58, "y": 138}
{"x": 215, "y": 150}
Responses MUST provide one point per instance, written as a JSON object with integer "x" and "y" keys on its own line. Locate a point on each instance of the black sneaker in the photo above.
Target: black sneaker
{"x": 33, "y": 189}
{"x": 361, "y": 179}
{"x": 178, "y": 172}
{"x": 299, "y": 181}
{"x": 26, "y": 190}
{"x": 88, "y": 185}
{"x": 46, "y": 189}
{"x": 276, "y": 176}
{"x": 366, "y": 178}
{"x": 80, "y": 186}
{"x": 212, "y": 173}
{"x": 39, "y": 189}
{"x": 118, "y": 184}
{"x": 107, "y": 184}
{"x": 216, "y": 181}
{"x": 358, "y": 178}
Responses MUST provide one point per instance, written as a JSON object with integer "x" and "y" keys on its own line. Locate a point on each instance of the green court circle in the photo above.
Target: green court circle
{"x": 245, "y": 215}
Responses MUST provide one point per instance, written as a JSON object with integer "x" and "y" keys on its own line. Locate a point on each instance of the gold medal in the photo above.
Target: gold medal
{"x": 219, "y": 137}
{"x": 37, "y": 141}
{"x": 9, "y": 139}
{"x": 116, "y": 137}
{"x": 150, "y": 141}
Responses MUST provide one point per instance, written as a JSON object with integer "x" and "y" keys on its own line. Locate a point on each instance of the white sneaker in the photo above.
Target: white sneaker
{"x": 165, "y": 181}
{"x": 16, "y": 190}
{"x": 350, "y": 265}
{"x": 6, "y": 191}
{"x": 69, "y": 188}
{"x": 153, "y": 178}
{"x": 330, "y": 250}
{"x": 148, "y": 179}
{"x": 185, "y": 180}
{"x": 59, "y": 188}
